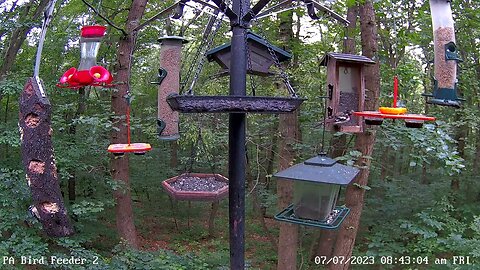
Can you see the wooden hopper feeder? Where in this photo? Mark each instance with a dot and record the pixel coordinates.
(345, 89)
(214, 187)
(260, 57)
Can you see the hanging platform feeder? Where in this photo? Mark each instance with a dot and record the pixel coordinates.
(233, 104)
(197, 187)
(260, 57)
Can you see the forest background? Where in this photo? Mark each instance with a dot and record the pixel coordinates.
(422, 194)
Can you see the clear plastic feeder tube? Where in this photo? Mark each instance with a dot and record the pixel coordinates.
(88, 52)
(444, 40)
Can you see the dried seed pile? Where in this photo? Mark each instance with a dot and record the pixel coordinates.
(348, 102)
(445, 71)
(194, 183)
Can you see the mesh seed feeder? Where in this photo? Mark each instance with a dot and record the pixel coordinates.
(170, 59)
(316, 188)
(345, 88)
(446, 55)
(88, 73)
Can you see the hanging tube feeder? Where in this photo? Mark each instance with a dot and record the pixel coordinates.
(169, 84)
(446, 55)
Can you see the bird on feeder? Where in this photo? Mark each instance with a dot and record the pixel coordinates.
(338, 119)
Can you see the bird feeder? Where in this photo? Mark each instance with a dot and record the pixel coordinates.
(446, 55)
(170, 63)
(316, 188)
(88, 73)
(345, 89)
(260, 57)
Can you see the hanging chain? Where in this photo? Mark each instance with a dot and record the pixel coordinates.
(283, 74)
(207, 41)
(194, 60)
(253, 84)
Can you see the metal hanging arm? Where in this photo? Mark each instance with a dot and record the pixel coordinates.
(47, 14)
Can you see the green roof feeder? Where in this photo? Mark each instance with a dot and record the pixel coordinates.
(317, 185)
(260, 57)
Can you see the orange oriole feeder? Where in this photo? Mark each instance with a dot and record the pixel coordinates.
(394, 112)
(129, 147)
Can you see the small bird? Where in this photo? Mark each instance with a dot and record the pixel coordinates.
(338, 119)
(34, 212)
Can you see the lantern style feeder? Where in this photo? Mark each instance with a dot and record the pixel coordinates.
(345, 89)
(316, 189)
(260, 57)
(446, 55)
(88, 73)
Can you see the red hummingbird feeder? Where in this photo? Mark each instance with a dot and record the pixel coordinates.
(88, 73)
(394, 112)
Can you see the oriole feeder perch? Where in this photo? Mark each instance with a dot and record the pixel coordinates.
(345, 89)
(261, 59)
(316, 189)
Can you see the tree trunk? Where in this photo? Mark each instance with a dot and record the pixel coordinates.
(119, 165)
(364, 141)
(39, 161)
(19, 35)
(327, 238)
(289, 133)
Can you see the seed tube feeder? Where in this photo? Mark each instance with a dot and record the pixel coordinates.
(316, 189)
(170, 59)
(446, 55)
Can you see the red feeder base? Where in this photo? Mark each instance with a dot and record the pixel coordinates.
(136, 148)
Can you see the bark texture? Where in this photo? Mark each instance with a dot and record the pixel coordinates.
(119, 165)
(364, 141)
(39, 161)
(289, 134)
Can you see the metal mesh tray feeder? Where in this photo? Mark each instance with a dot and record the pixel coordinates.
(197, 187)
(233, 104)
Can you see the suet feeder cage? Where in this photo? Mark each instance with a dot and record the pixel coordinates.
(345, 89)
(88, 73)
(260, 57)
(317, 185)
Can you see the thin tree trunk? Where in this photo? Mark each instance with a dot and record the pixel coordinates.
(326, 241)
(289, 133)
(119, 165)
(364, 141)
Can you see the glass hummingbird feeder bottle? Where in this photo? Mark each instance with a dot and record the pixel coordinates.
(88, 72)
(316, 189)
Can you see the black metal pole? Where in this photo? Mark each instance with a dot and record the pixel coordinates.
(236, 155)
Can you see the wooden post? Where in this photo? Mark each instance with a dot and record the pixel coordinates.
(39, 161)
